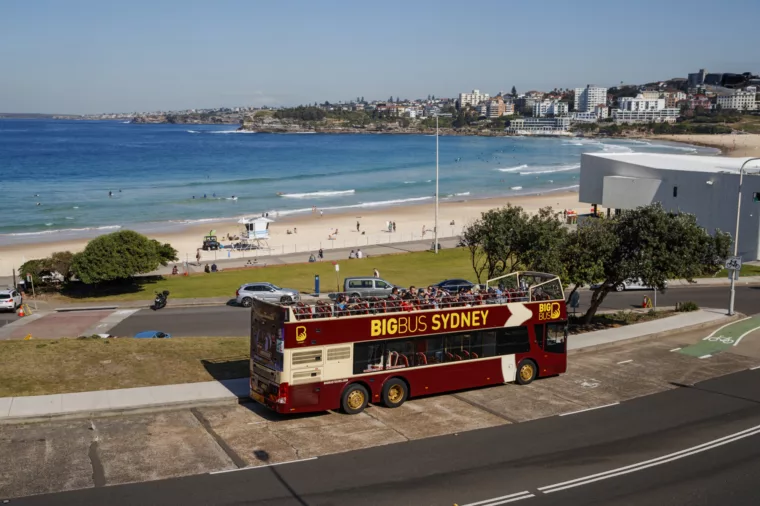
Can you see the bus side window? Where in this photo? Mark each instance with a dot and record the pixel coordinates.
(399, 353)
(512, 340)
(556, 337)
(483, 344)
(429, 350)
(368, 357)
(455, 350)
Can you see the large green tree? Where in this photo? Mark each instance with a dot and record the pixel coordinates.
(648, 243)
(120, 256)
(508, 239)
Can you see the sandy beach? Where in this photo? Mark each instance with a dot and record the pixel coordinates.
(311, 231)
(729, 144)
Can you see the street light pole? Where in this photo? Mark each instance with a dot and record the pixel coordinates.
(736, 235)
(435, 227)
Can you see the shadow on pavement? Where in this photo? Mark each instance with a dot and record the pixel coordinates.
(78, 290)
(227, 369)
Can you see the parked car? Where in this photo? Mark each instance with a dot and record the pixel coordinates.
(264, 291)
(10, 299)
(152, 334)
(456, 285)
(630, 284)
(367, 286)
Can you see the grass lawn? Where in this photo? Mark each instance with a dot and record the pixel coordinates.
(419, 268)
(747, 270)
(39, 367)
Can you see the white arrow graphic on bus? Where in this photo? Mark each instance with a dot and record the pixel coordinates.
(520, 314)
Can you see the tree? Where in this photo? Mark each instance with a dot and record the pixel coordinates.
(508, 239)
(120, 256)
(61, 262)
(514, 92)
(647, 243)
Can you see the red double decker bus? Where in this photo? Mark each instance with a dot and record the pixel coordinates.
(325, 356)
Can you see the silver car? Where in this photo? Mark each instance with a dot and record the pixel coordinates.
(367, 286)
(10, 299)
(264, 291)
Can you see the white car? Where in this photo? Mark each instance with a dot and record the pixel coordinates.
(264, 291)
(629, 284)
(10, 299)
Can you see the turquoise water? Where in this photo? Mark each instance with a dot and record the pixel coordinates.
(159, 174)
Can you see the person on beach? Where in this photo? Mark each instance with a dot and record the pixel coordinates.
(359, 254)
(375, 273)
(312, 259)
(352, 255)
(206, 269)
(423, 231)
(321, 213)
(320, 254)
(357, 226)
(198, 257)
(394, 226)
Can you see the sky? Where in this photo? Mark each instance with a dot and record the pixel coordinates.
(81, 57)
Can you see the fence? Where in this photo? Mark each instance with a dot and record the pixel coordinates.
(351, 240)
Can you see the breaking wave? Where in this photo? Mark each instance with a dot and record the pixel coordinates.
(317, 194)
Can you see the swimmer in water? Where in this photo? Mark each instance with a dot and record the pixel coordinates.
(110, 194)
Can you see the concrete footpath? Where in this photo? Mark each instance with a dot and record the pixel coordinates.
(85, 404)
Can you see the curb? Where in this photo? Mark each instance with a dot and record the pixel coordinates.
(655, 335)
(112, 412)
(90, 308)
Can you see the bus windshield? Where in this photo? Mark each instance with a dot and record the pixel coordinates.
(267, 334)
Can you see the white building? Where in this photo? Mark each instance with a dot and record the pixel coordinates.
(589, 97)
(667, 115)
(539, 126)
(472, 99)
(706, 186)
(599, 112)
(740, 101)
(482, 110)
(641, 103)
(549, 108)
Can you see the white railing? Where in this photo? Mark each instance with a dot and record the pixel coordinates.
(350, 240)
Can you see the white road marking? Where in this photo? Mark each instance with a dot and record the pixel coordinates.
(625, 362)
(585, 480)
(248, 468)
(675, 349)
(741, 336)
(508, 498)
(705, 356)
(589, 409)
(726, 325)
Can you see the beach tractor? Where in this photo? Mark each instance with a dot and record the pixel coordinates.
(210, 243)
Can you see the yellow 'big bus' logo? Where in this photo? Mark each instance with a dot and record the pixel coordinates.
(549, 311)
(301, 334)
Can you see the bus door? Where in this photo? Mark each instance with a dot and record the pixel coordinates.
(551, 339)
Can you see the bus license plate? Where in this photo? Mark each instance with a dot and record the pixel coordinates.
(257, 397)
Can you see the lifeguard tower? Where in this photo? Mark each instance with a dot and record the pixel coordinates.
(255, 234)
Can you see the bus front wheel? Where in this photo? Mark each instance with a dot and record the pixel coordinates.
(355, 399)
(395, 393)
(526, 372)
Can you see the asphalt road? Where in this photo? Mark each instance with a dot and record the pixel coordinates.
(692, 445)
(235, 321)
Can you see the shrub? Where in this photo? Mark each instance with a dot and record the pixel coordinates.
(685, 307)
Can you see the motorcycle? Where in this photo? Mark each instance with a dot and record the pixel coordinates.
(160, 300)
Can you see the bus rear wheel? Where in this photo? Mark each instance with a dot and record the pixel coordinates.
(395, 393)
(355, 399)
(526, 372)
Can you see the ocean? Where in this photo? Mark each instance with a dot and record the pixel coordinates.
(57, 175)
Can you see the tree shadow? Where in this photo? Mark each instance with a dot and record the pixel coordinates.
(79, 290)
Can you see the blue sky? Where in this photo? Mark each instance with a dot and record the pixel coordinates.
(96, 56)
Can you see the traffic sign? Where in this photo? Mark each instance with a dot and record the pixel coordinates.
(734, 263)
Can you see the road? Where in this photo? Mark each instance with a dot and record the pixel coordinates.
(234, 321)
(694, 445)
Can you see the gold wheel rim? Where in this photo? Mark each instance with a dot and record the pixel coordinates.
(526, 372)
(355, 399)
(395, 393)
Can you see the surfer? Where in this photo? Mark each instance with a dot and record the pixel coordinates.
(110, 194)
(280, 193)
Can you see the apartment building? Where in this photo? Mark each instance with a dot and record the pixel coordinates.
(589, 97)
(739, 101)
(641, 103)
(672, 98)
(549, 108)
(599, 112)
(539, 126)
(665, 115)
(472, 99)
(495, 108)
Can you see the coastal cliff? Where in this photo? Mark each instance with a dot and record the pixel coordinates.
(187, 119)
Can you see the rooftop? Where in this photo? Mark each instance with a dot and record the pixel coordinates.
(693, 163)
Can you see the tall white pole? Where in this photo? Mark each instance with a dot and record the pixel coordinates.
(736, 235)
(435, 229)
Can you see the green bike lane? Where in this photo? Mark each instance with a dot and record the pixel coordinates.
(723, 338)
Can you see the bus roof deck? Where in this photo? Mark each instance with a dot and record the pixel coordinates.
(516, 287)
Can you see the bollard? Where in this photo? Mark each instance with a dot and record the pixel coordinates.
(316, 284)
